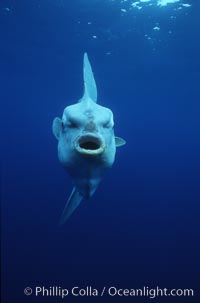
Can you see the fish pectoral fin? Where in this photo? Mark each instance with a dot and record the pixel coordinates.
(56, 127)
(72, 203)
(119, 141)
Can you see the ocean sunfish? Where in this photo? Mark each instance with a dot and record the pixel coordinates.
(86, 142)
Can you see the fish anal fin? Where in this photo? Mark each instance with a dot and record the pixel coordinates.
(72, 203)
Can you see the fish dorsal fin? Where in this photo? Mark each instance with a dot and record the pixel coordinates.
(90, 89)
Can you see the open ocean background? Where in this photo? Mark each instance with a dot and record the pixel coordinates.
(142, 226)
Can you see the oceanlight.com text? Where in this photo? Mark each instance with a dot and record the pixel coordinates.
(111, 291)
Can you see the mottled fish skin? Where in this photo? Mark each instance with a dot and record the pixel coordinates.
(86, 142)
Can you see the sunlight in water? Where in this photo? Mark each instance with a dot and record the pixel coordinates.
(153, 19)
(139, 4)
(165, 2)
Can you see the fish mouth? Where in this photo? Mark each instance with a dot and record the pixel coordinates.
(90, 145)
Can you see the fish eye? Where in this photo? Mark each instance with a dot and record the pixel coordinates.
(107, 125)
(72, 124)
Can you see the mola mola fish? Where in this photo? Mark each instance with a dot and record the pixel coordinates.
(86, 142)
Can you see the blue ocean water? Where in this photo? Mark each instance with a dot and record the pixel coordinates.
(141, 227)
